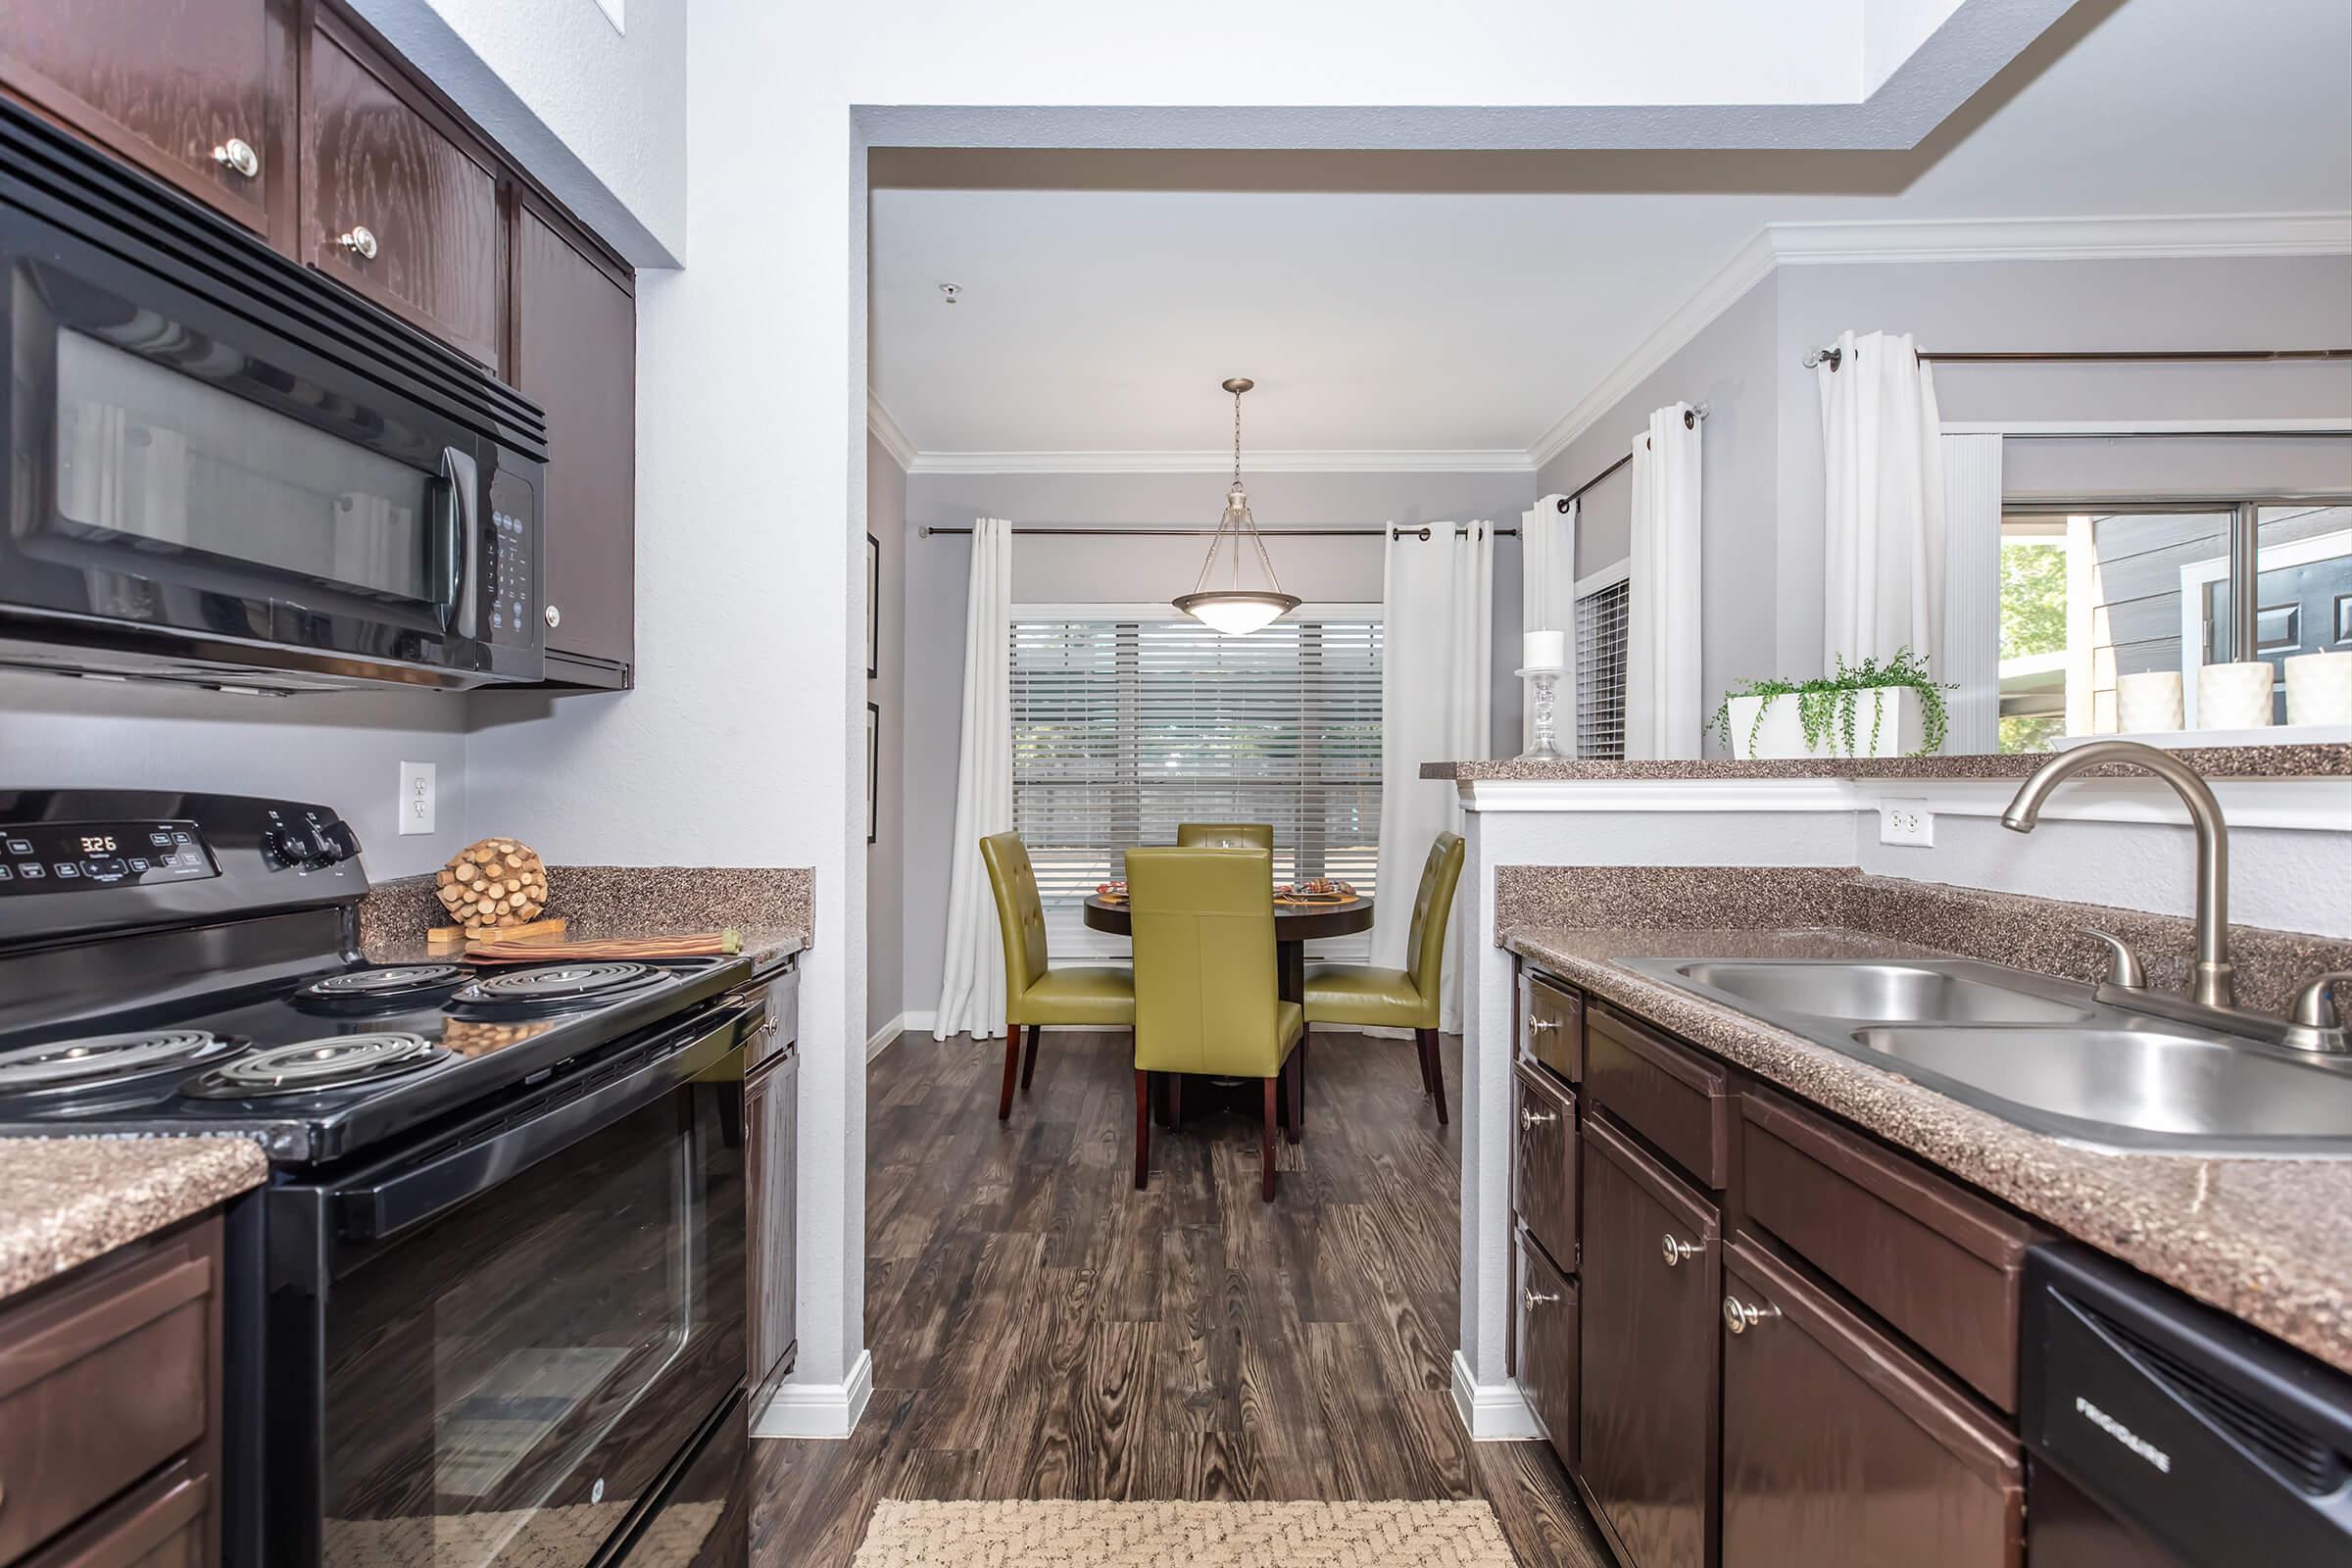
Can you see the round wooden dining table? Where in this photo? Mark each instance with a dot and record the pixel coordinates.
(1295, 926)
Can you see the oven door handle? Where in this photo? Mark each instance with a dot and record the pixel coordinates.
(416, 1194)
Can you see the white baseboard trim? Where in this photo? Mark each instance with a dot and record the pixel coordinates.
(817, 1409)
(880, 1041)
(1490, 1412)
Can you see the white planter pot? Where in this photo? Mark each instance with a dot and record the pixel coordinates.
(1893, 712)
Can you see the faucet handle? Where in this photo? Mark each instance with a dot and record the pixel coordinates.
(2315, 1020)
(2124, 968)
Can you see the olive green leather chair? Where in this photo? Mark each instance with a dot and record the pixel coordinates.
(1360, 996)
(1206, 989)
(1094, 996)
(1225, 835)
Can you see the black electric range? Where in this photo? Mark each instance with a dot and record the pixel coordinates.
(494, 1290)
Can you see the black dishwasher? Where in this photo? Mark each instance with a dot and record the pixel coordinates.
(2163, 1433)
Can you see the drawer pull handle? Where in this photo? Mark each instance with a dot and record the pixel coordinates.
(237, 155)
(1538, 1026)
(1676, 1250)
(1537, 1119)
(360, 241)
(1536, 1299)
(1740, 1317)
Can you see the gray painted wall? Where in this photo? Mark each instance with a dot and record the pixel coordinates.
(339, 749)
(886, 856)
(1133, 569)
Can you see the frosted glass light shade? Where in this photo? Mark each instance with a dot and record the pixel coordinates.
(1237, 613)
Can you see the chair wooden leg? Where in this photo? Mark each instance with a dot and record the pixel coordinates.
(1029, 1058)
(1265, 1147)
(1298, 1107)
(1433, 1067)
(1293, 1088)
(1012, 1062)
(1175, 1101)
(1421, 1056)
(1142, 1130)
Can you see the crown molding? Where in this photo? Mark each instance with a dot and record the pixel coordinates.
(1963, 239)
(2063, 239)
(1747, 267)
(886, 430)
(1360, 461)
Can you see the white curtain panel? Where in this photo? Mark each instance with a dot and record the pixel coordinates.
(972, 991)
(1436, 678)
(1665, 714)
(1547, 603)
(1883, 546)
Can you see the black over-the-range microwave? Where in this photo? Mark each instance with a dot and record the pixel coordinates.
(224, 468)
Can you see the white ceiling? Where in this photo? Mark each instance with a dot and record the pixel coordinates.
(1101, 320)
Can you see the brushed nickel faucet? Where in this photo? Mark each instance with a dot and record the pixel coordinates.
(2315, 1020)
(2211, 981)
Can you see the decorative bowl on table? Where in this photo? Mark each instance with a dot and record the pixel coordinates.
(1318, 890)
(1111, 891)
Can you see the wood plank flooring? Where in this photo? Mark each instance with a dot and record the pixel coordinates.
(1040, 1329)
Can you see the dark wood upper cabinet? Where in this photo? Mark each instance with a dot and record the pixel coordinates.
(575, 348)
(1842, 1450)
(1648, 1298)
(399, 201)
(193, 91)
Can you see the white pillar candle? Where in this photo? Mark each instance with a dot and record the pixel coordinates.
(2235, 696)
(2319, 688)
(1544, 650)
(2148, 702)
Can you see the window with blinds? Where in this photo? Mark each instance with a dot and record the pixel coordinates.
(1600, 617)
(1123, 728)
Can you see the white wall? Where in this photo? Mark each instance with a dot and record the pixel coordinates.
(1138, 569)
(598, 115)
(886, 856)
(337, 749)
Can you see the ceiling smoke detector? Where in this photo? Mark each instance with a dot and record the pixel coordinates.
(949, 291)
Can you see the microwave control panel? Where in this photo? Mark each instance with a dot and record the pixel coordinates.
(511, 564)
(69, 856)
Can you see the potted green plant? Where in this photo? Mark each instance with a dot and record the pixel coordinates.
(1888, 707)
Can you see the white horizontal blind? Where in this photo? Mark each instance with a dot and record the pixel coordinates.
(1123, 728)
(1601, 627)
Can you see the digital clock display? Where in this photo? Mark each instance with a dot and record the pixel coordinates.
(97, 844)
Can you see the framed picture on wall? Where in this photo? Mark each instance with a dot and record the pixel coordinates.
(873, 607)
(874, 770)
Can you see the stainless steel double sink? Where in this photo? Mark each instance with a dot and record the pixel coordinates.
(2044, 1053)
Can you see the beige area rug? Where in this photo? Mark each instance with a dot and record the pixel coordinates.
(1183, 1534)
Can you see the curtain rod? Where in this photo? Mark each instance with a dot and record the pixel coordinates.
(1392, 530)
(1690, 418)
(1830, 355)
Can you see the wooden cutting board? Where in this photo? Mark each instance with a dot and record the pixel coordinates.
(692, 945)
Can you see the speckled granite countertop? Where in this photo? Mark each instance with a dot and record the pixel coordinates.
(2214, 761)
(767, 905)
(65, 1200)
(2269, 1240)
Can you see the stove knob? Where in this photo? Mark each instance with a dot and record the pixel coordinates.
(283, 846)
(338, 842)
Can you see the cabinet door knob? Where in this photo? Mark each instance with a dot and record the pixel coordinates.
(1676, 1250)
(1538, 1026)
(237, 155)
(360, 241)
(1537, 1119)
(1738, 1316)
(555, 617)
(1535, 1298)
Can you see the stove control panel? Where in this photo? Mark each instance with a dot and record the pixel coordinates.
(307, 838)
(72, 856)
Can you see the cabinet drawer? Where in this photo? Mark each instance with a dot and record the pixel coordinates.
(1551, 1027)
(103, 1381)
(1548, 1346)
(168, 1523)
(1842, 1450)
(1938, 1262)
(1543, 1160)
(1669, 1093)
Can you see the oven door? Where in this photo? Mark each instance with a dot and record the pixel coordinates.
(193, 491)
(525, 1330)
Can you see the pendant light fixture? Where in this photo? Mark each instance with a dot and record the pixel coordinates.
(1236, 610)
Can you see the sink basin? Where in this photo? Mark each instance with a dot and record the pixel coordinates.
(2148, 1080)
(1890, 992)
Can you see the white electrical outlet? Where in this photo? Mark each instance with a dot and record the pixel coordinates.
(416, 790)
(1906, 822)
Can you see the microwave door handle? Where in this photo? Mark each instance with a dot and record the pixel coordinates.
(410, 1198)
(460, 523)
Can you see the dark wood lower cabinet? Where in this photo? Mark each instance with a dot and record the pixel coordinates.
(1842, 1450)
(1547, 1345)
(1650, 1291)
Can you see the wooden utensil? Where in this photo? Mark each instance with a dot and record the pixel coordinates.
(693, 945)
